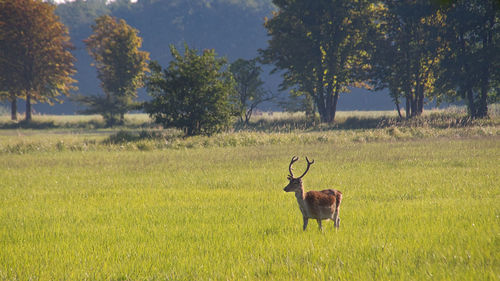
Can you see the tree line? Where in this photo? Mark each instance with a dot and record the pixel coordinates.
(418, 50)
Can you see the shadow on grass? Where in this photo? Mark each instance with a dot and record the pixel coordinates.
(438, 120)
(124, 136)
(85, 125)
(27, 125)
(433, 120)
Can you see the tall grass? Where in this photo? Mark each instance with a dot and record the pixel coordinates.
(273, 121)
(34, 141)
(87, 122)
(419, 210)
(87, 133)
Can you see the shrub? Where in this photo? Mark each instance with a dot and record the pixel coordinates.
(192, 94)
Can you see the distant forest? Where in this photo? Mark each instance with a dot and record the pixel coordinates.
(233, 28)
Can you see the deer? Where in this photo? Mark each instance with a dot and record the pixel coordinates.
(318, 205)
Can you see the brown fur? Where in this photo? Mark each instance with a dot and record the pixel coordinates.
(322, 200)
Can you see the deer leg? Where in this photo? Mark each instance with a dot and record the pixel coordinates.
(306, 220)
(319, 224)
(336, 219)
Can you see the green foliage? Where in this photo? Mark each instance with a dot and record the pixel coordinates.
(469, 69)
(445, 52)
(35, 59)
(300, 102)
(79, 13)
(88, 133)
(121, 67)
(197, 22)
(110, 107)
(127, 136)
(414, 210)
(408, 51)
(249, 88)
(321, 47)
(192, 93)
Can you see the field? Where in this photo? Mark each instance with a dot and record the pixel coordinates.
(419, 203)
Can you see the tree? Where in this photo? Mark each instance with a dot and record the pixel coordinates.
(9, 95)
(121, 67)
(319, 45)
(471, 63)
(35, 58)
(249, 91)
(407, 55)
(192, 93)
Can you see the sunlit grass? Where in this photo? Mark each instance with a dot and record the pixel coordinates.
(268, 121)
(32, 141)
(412, 210)
(87, 133)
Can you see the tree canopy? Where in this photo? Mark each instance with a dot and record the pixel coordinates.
(320, 47)
(422, 51)
(35, 59)
(192, 93)
(249, 88)
(418, 50)
(470, 67)
(407, 55)
(121, 67)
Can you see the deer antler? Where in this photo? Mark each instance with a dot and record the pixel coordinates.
(294, 159)
(309, 163)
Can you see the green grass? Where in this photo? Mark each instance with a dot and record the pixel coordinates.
(34, 141)
(269, 122)
(413, 209)
(87, 133)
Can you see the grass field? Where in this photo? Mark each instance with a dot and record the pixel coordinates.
(419, 203)
(412, 210)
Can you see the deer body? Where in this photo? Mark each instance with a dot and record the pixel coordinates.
(319, 205)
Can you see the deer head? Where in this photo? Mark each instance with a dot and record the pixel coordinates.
(295, 184)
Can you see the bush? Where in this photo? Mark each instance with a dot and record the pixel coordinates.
(192, 94)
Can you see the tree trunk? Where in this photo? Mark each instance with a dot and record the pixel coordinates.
(334, 105)
(470, 103)
(332, 95)
(420, 101)
(13, 107)
(320, 102)
(482, 108)
(248, 114)
(329, 108)
(413, 104)
(419, 98)
(28, 107)
(327, 104)
(408, 107)
(399, 109)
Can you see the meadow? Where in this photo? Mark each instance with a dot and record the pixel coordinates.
(419, 203)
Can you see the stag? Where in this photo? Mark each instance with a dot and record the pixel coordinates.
(318, 205)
